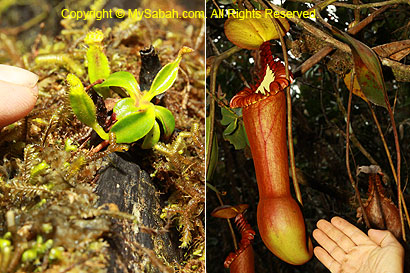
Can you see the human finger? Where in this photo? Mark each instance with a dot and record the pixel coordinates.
(18, 93)
(329, 245)
(383, 237)
(356, 235)
(336, 235)
(326, 259)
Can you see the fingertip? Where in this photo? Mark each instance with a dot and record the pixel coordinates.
(18, 93)
(319, 251)
(17, 75)
(321, 222)
(382, 237)
(317, 248)
(336, 219)
(340, 223)
(316, 233)
(16, 101)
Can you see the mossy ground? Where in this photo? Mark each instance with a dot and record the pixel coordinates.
(55, 201)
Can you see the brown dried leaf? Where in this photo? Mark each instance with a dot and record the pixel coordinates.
(395, 50)
(381, 211)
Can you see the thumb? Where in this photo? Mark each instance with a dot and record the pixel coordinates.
(18, 93)
(382, 237)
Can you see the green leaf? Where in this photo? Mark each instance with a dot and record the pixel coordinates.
(152, 137)
(83, 106)
(214, 152)
(166, 76)
(235, 131)
(125, 80)
(229, 116)
(134, 126)
(367, 67)
(237, 137)
(98, 67)
(124, 107)
(231, 127)
(166, 119)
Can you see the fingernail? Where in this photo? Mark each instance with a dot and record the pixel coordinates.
(19, 76)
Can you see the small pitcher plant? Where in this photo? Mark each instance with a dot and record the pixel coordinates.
(136, 116)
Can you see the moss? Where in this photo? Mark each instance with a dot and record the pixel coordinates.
(47, 174)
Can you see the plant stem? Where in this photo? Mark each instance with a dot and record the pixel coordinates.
(235, 243)
(100, 131)
(390, 161)
(398, 162)
(289, 112)
(212, 86)
(349, 106)
(222, 104)
(353, 137)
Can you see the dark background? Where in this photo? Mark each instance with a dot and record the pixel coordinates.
(318, 142)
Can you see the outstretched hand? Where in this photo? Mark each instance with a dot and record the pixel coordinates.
(345, 248)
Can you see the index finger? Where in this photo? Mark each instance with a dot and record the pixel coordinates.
(355, 234)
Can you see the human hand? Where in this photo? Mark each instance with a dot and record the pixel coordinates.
(18, 93)
(345, 248)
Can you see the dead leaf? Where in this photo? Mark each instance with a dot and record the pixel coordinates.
(395, 50)
(381, 211)
(367, 67)
(356, 87)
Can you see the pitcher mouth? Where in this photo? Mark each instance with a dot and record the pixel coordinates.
(271, 80)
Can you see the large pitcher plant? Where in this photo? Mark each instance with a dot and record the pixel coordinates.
(280, 220)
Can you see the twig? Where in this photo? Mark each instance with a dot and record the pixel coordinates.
(336, 43)
(356, 12)
(353, 137)
(326, 50)
(314, 30)
(398, 161)
(214, 70)
(212, 86)
(222, 104)
(314, 59)
(216, 5)
(321, 6)
(383, 140)
(157, 262)
(94, 84)
(400, 68)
